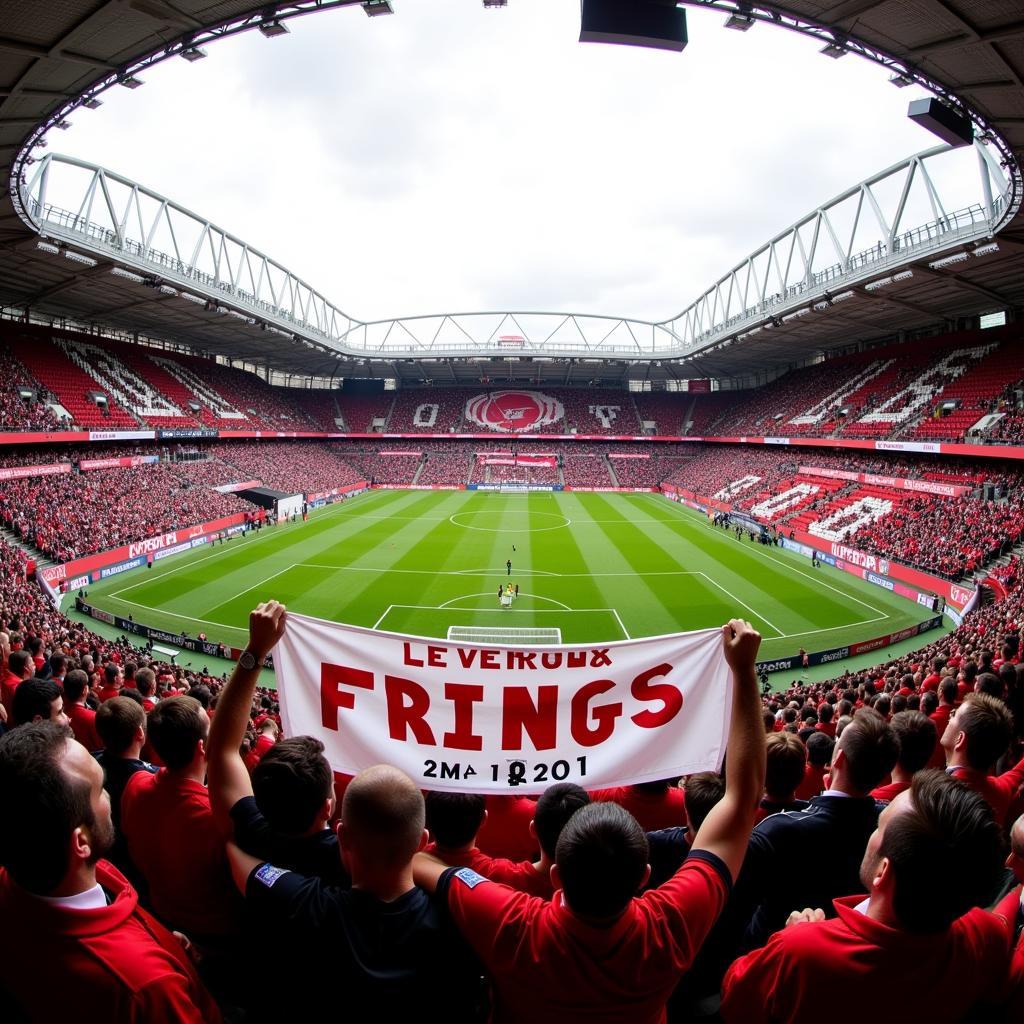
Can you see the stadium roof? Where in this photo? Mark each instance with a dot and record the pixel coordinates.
(53, 54)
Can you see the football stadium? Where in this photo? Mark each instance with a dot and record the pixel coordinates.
(512, 510)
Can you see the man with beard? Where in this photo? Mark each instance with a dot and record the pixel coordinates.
(62, 904)
(916, 948)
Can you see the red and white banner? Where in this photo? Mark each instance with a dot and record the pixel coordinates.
(50, 469)
(629, 455)
(338, 492)
(125, 461)
(897, 482)
(239, 485)
(549, 461)
(499, 719)
(395, 451)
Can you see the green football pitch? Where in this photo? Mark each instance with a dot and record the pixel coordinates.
(597, 567)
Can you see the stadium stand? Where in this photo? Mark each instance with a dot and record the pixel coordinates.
(72, 515)
(70, 384)
(447, 464)
(18, 412)
(362, 414)
(666, 410)
(585, 469)
(292, 466)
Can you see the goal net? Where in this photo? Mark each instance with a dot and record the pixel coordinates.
(526, 636)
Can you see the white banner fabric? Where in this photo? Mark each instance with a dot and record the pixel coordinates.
(499, 719)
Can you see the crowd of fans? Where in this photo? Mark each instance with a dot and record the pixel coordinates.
(950, 536)
(579, 470)
(215, 848)
(747, 916)
(447, 465)
(17, 413)
(292, 466)
(73, 515)
(158, 388)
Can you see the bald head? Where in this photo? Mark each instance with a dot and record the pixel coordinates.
(383, 816)
(1015, 861)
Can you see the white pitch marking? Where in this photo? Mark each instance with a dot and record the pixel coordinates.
(625, 632)
(384, 616)
(756, 614)
(265, 534)
(176, 615)
(501, 570)
(820, 582)
(536, 597)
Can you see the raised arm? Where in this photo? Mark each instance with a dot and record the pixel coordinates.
(227, 776)
(726, 830)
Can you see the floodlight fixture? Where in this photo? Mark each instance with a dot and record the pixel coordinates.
(950, 261)
(193, 53)
(272, 27)
(48, 247)
(127, 275)
(64, 124)
(741, 19)
(495, 3)
(92, 103)
(834, 50)
(901, 80)
(77, 257)
(130, 82)
(375, 8)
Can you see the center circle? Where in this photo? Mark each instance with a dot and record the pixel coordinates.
(566, 521)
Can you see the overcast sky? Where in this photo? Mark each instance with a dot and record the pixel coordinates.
(455, 159)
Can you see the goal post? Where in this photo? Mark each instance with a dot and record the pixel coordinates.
(526, 636)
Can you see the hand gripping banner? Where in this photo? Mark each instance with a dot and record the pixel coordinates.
(499, 719)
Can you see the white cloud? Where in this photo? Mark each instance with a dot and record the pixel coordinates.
(453, 158)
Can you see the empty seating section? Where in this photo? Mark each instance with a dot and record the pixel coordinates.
(358, 412)
(667, 410)
(146, 387)
(320, 406)
(893, 401)
(707, 410)
(973, 392)
(70, 384)
(264, 406)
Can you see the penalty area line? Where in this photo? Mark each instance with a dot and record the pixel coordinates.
(756, 614)
(682, 518)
